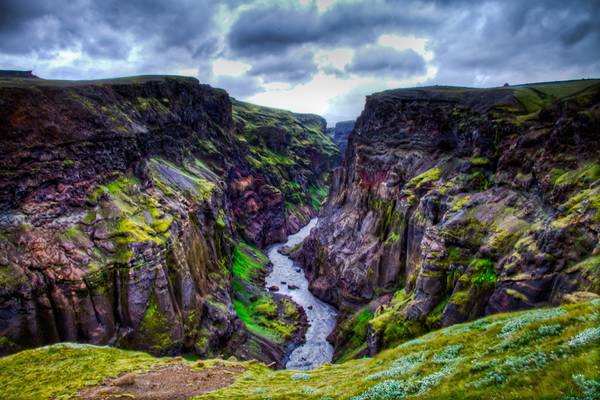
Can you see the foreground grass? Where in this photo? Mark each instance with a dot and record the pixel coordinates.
(546, 353)
(61, 370)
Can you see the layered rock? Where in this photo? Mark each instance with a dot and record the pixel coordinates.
(454, 203)
(119, 210)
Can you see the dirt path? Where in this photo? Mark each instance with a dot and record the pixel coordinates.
(171, 382)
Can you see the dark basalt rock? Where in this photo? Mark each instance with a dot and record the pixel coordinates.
(463, 202)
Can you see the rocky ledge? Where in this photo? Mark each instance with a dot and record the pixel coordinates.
(453, 203)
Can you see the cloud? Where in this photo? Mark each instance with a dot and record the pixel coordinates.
(105, 29)
(240, 87)
(319, 56)
(293, 67)
(381, 60)
(275, 29)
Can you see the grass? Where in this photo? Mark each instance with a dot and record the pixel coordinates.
(254, 307)
(61, 370)
(463, 361)
(247, 261)
(543, 353)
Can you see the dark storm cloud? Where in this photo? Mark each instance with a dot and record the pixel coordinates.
(519, 41)
(274, 29)
(387, 61)
(106, 29)
(293, 67)
(470, 39)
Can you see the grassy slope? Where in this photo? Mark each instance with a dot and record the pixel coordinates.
(544, 353)
(60, 370)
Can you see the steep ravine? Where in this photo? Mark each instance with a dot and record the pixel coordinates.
(287, 278)
(122, 204)
(454, 203)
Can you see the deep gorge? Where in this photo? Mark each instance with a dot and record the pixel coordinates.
(143, 213)
(126, 202)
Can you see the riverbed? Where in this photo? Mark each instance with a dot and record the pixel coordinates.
(321, 316)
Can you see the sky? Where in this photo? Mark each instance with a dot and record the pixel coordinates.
(316, 56)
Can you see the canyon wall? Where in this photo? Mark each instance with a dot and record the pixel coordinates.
(121, 202)
(340, 133)
(453, 203)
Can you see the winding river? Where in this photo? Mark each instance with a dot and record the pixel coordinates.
(321, 316)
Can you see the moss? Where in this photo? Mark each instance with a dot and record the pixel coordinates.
(247, 262)
(393, 237)
(155, 329)
(459, 202)
(479, 181)
(68, 162)
(468, 232)
(89, 217)
(260, 323)
(316, 196)
(479, 161)
(257, 309)
(581, 177)
(482, 272)
(578, 206)
(266, 306)
(517, 295)
(354, 333)
(74, 233)
(431, 175)
(11, 277)
(194, 180)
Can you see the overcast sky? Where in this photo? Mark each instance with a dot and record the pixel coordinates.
(318, 56)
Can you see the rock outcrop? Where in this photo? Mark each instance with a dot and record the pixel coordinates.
(121, 202)
(453, 203)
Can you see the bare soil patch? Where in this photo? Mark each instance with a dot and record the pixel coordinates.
(173, 382)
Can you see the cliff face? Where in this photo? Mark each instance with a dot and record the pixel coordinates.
(454, 203)
(119, 211)
(340, 133)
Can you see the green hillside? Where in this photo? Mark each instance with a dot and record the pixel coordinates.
(545, 353)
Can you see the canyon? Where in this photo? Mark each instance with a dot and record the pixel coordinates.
(125, 202)
(443, 242)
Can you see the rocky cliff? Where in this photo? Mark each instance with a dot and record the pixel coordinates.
(453, 203)
(121, 203)
(340, 133)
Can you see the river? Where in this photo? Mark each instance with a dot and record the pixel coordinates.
(321, 316)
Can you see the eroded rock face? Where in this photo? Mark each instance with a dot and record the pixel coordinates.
(119, 207)
(461, 203)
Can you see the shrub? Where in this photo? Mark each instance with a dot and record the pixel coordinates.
(585, 337)
(300, 376)
(401, 366)
(448, 355)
